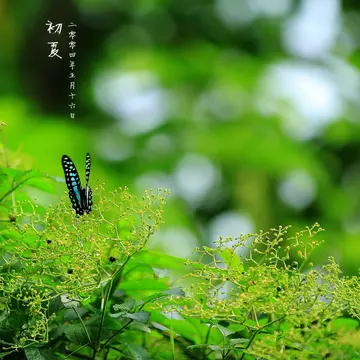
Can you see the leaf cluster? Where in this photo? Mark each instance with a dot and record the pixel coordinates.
(269, 302)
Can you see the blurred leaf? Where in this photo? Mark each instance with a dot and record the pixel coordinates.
(141, 316)
(140, 327)
(34, 353)
(4, 315)
(3, 178)
(191, 328)
(42, 184)
(56, 331)
(231, 259)
(10, 234)
(171, 292)
(76, 333)
(137, 352)
(70, 314)
(238, 341)
(224, 331)
(143, 284)
(67, 302)
(205, 346)
(236, 327)
(13, 173)
(126, 306)
(22, 175)
(159, 260)
(344, 324)
(3, 354)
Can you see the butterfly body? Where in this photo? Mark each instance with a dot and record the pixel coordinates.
(81, 198)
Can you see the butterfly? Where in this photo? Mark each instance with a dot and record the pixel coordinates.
(81, 199)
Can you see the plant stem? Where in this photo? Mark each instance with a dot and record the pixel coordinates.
(82, 323)
(117, 333)
(103, 306)
(257, 331)
(15, 187)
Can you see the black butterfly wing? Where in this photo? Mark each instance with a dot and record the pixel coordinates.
(87, 193)
(87, 169)
(86, 199)
(73, 184)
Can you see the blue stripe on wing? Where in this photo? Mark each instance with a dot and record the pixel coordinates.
(73, 184)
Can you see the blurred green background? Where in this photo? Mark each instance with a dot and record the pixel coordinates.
(248, 110)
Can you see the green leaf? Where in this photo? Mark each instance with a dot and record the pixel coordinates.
(118, 314)
(56, 331)
(41, 184)
(143, 285)
(141, 316)
(137, 352)
(3, 178)
(241, 341)
(205, 346)
(191, 329)
(3, 354)
(232, 260)
(13, 173)
(140, 327)
(174, 292)
(223, 330)
(49, 355)
(21, 175)
(19, 178)
(236, 327)
(4, 315)
(126, 306)
(76, 334)
(171, 292)
(344, 324)
(251, 323)
(69, 303)
(159, 260)
(33, 353)
(57, 179)
(70, 315)
(10, 234)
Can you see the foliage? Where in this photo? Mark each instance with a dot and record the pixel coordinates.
(259, 298)
(58, 273)
(234, 87)
(88, 287)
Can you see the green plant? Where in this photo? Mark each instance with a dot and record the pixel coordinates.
(63, 278)
(256, 293)
(89, 288)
